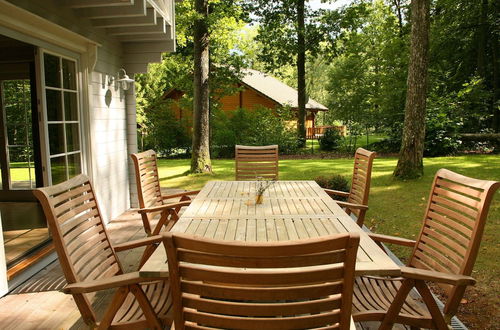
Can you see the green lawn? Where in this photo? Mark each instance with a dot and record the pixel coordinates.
(396, 207)
(360, 142)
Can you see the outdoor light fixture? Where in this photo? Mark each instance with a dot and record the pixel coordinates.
(123, 81)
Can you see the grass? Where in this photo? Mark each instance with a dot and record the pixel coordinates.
(396, 207)
(360, 142)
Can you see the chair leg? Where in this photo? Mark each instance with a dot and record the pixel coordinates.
(114, 306)
(396, 305)
(437, 316)
(146, 307)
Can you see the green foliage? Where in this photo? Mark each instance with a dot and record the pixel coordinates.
(261, 126)
(367, 78)
(277, 31)
(334, 182)
(176, 70)
(165, 133)
(330, 140)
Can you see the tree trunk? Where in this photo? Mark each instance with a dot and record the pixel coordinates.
(397, 4)
(200, 159)
(301, 73)
(496, 88)
(410, 164)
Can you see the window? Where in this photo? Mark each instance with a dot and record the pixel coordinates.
(63, 122)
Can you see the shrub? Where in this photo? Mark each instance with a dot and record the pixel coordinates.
(335, 182)
(441, 134)
(164, 132)
(261, 126)
(331, 140)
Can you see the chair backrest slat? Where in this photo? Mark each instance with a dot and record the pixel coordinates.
(256, 162)
(361, 179)
(236, 284)
(147, 179)
(453, 226)
(79, 236)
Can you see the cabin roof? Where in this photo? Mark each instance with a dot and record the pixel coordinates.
(276, 90)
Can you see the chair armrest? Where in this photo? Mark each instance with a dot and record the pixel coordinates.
(352, 205)
(163, 207)
(336, 192)
(430, 275)
(185, 193)
(137, 243)
(392, 239)
(109, 283)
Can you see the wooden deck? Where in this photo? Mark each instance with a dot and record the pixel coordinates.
(56, 310)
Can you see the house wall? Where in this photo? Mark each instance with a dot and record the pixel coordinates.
(248, 99)
(108, 113)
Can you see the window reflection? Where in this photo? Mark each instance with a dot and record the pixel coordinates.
(52, 70)
(58, 169)
(56, 139)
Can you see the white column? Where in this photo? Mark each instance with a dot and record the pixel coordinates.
(131, 142)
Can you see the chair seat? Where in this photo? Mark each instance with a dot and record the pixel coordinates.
(158, 294)
(373, 296)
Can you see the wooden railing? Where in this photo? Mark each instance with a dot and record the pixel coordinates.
(318, 131)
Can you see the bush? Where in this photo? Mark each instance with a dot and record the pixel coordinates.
(441, 134)
(335, 182)
(331, 140)
(164, 132)
(261, 126)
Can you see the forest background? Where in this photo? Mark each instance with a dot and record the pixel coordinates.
(356, 64)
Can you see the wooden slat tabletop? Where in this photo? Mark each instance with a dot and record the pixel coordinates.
(291, 210)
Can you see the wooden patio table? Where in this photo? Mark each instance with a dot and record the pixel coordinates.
(291, 210)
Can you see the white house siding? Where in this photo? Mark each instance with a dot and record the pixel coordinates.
(106, 137)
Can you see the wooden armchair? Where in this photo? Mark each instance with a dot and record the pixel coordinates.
(357, 197)
(90, 263)
(151, 202)
(444, 253)
(253, 162)
(279, 285)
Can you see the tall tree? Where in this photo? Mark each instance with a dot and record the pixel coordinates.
(301, 72)
(288, 31)
(200, 159)
(410, 163)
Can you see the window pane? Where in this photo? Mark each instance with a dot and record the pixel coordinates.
(54, 106)
(56, 139)
(72, 137)
(58, 169)
(74, 165)
(52, 70)
(21, 167)
(70, 106)
(69, 74)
